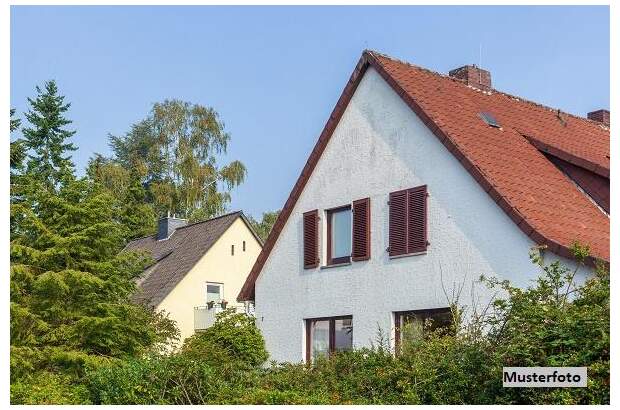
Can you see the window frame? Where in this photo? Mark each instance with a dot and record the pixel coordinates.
(328, 215)
(219, 284)
(331, 333)
(425, 313)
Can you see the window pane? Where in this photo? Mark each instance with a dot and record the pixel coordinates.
(440, 320)
(343, 329)
(213, 293)
(341, 233)
(319, 338)
(413, 325)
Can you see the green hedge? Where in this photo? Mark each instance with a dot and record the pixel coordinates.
(553, 323)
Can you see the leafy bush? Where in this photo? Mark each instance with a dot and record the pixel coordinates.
(233, 337)
(48, 388)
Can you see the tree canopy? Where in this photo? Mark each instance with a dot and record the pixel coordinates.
(265, 225)
(175, 154)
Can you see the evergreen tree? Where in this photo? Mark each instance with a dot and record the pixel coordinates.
(18, 153)
(71, 286)
(47, 138)
(134, 213)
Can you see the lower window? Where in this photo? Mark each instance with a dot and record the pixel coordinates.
(411, 325)
(328, 335)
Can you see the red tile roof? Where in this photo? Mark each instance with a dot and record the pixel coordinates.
(507, 162)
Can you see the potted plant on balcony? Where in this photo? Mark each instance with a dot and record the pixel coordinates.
(223, 303)
(210, 304)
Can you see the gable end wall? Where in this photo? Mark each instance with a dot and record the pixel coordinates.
(381, 146)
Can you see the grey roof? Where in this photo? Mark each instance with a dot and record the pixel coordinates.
(176, 256)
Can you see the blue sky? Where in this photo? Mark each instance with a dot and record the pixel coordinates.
(275, 73)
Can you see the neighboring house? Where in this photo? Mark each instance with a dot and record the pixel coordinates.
(419, 184)
(195, 264)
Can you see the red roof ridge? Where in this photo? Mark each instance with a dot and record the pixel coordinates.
(375, 53)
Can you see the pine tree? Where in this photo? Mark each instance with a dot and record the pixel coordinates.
(134, 212)
(47, 138)
(71, 287)
(70, 284)
(17, 147)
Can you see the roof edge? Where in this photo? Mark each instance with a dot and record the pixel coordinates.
(568, 157)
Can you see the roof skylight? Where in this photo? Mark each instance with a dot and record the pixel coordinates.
(489, 119)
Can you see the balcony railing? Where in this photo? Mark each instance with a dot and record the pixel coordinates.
(204, 317)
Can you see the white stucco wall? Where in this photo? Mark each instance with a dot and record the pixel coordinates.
(217, 265)
(381, 146)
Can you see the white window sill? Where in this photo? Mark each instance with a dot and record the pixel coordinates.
(335, 265)
(409, 254)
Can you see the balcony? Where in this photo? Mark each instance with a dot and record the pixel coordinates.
(204, 317)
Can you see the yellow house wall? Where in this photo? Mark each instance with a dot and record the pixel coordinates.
(217, 265)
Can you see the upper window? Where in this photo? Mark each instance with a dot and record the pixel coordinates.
(339, 235)
(412, 325)
(214, 292)
(328, 335)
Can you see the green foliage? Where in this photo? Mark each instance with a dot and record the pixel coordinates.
(263, 227)
(48, 388)
(70, 286)
(556, 323)
(18, 149)
(214, 366)
(136, 216)
(174, 154)
(46, 138)
(233, 337)
(548, 324)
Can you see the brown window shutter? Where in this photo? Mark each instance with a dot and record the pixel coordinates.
(398, 223)
(416, 219)
(311, 239)
(361, 230)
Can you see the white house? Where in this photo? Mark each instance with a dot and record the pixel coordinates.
(419, 184)
(196, 267)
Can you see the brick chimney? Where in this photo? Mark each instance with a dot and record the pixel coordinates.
(601, 116)
(473, 75)
(167, 225)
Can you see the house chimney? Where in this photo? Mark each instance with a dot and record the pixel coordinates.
(601, 116)
(473, 75)
(167, 225)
